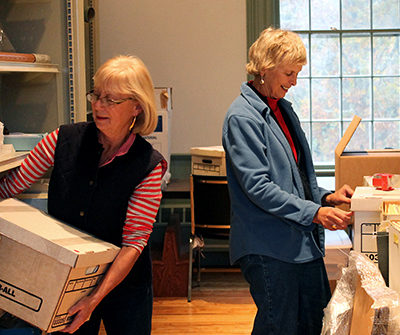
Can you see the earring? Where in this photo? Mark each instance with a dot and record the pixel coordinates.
(132, 124)
(262, 81)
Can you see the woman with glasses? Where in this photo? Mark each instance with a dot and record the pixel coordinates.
(106, 180)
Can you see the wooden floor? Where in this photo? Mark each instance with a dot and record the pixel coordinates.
(220, 305)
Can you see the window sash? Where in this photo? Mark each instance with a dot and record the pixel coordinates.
(257, 20)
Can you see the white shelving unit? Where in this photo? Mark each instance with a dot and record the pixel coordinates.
(39, 97)
(9, 67)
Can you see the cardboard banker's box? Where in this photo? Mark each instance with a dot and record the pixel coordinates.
(352, 166)
(46, 266)
(208, 161)
(366, 203)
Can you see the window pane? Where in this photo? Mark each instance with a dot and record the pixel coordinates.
(325, 136)
(386, 98)
(356, 98)
(306, 128)
(356, 14)
(352, 47)
(361, 137)
(305, 72)
(386, 14)
(325, 99)
(324, 55)
(325, 14)
(300, 98)
(294, 14)
(351, 70)
(386, 54)
(387, 135)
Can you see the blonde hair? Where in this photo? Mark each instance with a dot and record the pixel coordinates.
(129, 75)
(273, 48)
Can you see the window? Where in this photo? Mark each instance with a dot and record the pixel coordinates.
(353, 68)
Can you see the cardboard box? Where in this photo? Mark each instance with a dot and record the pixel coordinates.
(351, 167)
(361, 303)
(366, 204)
(337, 250)
(394, 256)
(208, 161)
(369, 315)
(160, 137)
(163, 97)
(46, 266)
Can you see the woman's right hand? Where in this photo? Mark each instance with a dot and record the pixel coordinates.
(333, 218)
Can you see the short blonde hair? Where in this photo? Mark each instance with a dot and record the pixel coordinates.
(273, 48)
(129, 75)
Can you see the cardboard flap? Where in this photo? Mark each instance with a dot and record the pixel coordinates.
(347, 135)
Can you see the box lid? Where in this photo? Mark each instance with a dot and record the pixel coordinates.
(366, 198)
(212, 151)
(39, 231)
(348, 134)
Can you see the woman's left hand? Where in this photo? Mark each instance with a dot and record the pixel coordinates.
(332, 218)
(119, 269)
(82, 311)
(341, 196)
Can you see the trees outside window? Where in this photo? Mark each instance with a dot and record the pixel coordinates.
(353, 69)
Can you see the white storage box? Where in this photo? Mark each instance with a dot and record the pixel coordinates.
(337, 250)
(160, 137)
(46, 266)
(208, 161)
(352, 166)
(163, 96)
(366, 204)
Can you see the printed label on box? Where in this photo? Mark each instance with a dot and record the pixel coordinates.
(62, 319)
(20, 296)
(83, 283)
(74, 286)
(368, 240)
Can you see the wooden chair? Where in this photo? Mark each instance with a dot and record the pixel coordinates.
(170, 270)
(210, 218)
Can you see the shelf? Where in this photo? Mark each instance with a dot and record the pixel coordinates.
(8, 67)
(11, 160)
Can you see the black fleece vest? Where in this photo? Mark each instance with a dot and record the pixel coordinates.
(96, 199)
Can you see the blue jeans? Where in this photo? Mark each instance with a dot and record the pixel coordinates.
(290, 297)
(124, 311)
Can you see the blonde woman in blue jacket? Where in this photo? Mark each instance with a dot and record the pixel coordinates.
(278, 211)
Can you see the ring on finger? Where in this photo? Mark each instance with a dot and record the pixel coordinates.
(334, 226)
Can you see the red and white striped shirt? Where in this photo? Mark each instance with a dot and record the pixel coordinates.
(142, 206)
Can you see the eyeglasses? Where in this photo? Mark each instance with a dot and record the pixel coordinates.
(105, 101)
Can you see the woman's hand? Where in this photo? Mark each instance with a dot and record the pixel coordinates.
(341, 196)
(118, 270)
(82, 311)
(332, 218)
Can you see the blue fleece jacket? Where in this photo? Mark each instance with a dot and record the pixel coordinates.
(269, 213)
